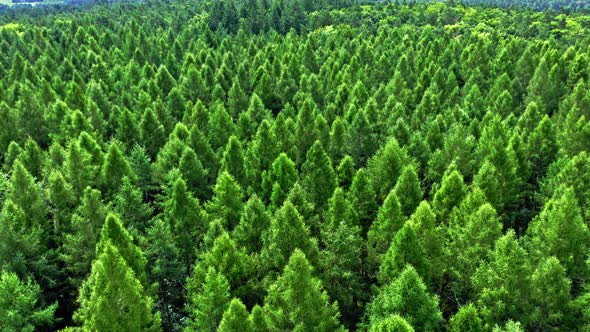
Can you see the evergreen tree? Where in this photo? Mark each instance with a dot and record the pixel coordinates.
(79, 247)
(503, 284)
(551, 294)
(560, 231)
(278, 180)
(318, 176)
(451, 193)
(113, 298)
(115, 167)
(296, 300)
(382, 231)
(404, 250)
(254, 221)
(408, 190)
(286, 233)
(408, 297)
(362, 198)
(233, 161)
(394, 323)
(20, 307)
(226, 203)
(208, 302)
(236, 318)
(385, 167)
(114, 233)
(466, 319)
(188, 220)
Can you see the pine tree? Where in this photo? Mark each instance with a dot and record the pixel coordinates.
(551, 294)
(20, 307)
(466, 319)
(128, 203)
(254, 221)
(278, 180)
(22, 249)
(393, 323)
(408, 297)
(404, 250)
(305, 132)
(230, 261)
(114, 233)
(382, 231)
(152, 134)
(560, 231)
(236, 318)
(470, 245)
(286, 233)
(78, 169)
(167, 271)
(408, 190)
(233, 161)
(296, 300)
(318, 176)
(113, 298)
(451, 193)
(431, 239)
(340, 211)
(503, 284)
(25, 193)
(339, 141)
(226, 203)
(385, 167)
(188, 220)
(194, 173)
(341, 264)
(79, 247)
(363, 200)
(115, 167)
(208, 302)
(363, 139)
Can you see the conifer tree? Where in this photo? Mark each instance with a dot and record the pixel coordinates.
(167, 271)
(115, 167)
(233, 161)
(20, 305)
(286, 233)
(363, 200)
(393, 323)
(226, 203)
(408, 297)
(503, 284)
(404, 250)
(466, 319)
(551, 294)
(236, 318)
(25, 193)
(188, 221)
(114, 233)
(113, 298)
(297, 301)
(254, 221)
(208, 302)
(318, 176)
(560, 231)
(79, 247)
(278, 180)
(385, 167)
(382, 231)
(408, 190)
(451, 193)
(194, 173)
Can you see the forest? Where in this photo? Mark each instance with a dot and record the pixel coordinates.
(294, 165)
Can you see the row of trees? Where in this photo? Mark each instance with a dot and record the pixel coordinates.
(406, 168)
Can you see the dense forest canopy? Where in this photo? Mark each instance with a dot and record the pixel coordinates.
(294, 165)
